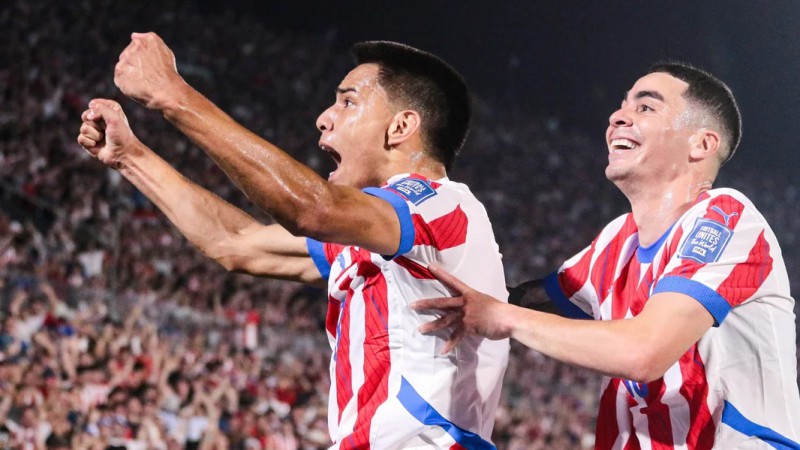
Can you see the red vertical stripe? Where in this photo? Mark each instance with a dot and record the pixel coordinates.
(574, 277)
(603, 270)
(642, 290)
(695, 390)
(344, 375)
(659, 424)
(344, 387)
(607, 426)
(377, 358)
(332, 318)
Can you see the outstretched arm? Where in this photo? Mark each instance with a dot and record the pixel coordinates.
(221, 231)
(640, 349)
(293, 194)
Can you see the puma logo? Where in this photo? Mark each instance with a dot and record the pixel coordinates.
(727, 217)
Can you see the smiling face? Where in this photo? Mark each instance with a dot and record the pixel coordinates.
(649, 136)
(354, 129)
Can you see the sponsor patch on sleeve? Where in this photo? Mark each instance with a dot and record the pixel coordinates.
(706, 242)
(414, 190)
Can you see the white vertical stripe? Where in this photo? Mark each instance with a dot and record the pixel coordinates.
(640, 424)
(621, 410)
(679, 414)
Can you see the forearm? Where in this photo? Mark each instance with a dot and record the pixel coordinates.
(207, 221)
(289, 191)
(618, 348)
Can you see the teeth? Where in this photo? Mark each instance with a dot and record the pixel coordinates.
(622, 144)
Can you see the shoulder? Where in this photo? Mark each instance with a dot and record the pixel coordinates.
(417, 189)
(723, 194)
(431, 197)
(724, 205)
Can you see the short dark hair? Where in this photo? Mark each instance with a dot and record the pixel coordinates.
(711, 94)
(425, 83)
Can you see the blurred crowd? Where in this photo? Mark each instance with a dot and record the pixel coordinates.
(116, 334)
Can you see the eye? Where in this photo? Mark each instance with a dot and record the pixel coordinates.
(645, 108)
(347, 103)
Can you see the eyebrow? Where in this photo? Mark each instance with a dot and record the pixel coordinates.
(340, 90)
(642, 94)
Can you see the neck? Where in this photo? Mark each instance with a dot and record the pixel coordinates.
(417, 162)
(655, 209)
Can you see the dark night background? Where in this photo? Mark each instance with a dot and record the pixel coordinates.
(576, 59)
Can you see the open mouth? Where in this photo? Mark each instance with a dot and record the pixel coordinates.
(622, 145)
(337, 158)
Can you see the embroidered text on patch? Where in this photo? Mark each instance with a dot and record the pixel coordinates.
(415, 191)
(706, 242)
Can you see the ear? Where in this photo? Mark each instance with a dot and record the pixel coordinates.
(704, 144)
(404, 125)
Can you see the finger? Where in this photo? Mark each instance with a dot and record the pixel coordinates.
(130, 48)
(90, 130)
(86, 143)
(90, 117)
(448, 279)
(446, 321)
(437, 303)
(455, 338)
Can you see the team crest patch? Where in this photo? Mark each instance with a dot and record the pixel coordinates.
(415, 191)
(706, 242)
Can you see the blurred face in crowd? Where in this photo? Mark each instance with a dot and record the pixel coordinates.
(354, 129)
(9, 326)
(28, 418)
(648, 137)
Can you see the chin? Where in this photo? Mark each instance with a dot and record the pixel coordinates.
(618, 176)
(612, 173)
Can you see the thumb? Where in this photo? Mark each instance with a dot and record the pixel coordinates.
(448, 279)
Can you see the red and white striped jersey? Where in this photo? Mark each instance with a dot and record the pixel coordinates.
(391, 386)
(737, 386)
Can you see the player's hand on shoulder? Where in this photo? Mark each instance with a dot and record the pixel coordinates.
(469, 312)
(105, 133)
(147, 73)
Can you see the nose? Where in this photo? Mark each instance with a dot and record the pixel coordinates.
(620, 118)
(325, 121)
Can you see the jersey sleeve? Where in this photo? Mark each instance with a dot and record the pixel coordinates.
(565, 286)
(723, 255)
(323, 254)
(583, 280)
(433, 225)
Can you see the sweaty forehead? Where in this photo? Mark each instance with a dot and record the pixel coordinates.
(362, 79)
